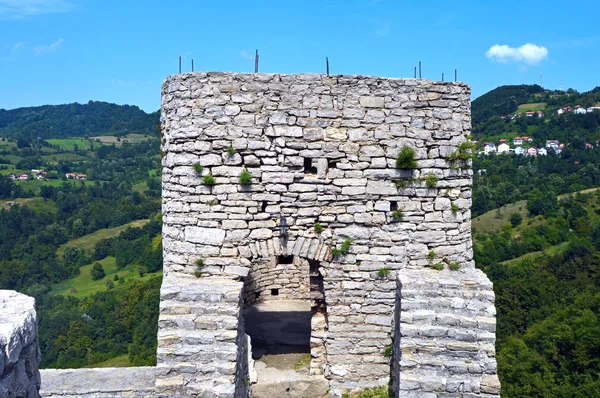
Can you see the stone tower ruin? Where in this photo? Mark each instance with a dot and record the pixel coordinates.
(279, 187)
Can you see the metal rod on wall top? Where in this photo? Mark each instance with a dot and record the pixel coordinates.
(256, 62)
(179, 64)
(455, 75)
(442, 76)
(419, 69)
(327, 64)
(192, 65)
(415, 76)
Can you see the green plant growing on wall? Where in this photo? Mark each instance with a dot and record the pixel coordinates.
(245, 177)
(200, 264)
(437, 266)
(431, 255)
(389, 351)
(406, 158)
(318, 228)
(383, 272)
(431, 180)
(454, 266)
(464, 152)
(454, 207)
(398, 214)
(208, 179)
(198, 168)
(231, 150)
(344, 248)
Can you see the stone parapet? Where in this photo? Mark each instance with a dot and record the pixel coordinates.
(445, 336)
(99, 382)
(19, 350)
(200, 338)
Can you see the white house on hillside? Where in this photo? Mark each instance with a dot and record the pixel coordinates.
(519, 150)
(503, 148)
(542, 152)
(518, 141)
(489, 147)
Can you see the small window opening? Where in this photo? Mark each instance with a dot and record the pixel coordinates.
(274, 292)
(308, 167)
(393, 206)
(257, 295)
(332, 164)
(285, 260)
(263, 207)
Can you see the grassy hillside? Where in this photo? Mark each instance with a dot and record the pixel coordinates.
(87, 242)
(84, 285)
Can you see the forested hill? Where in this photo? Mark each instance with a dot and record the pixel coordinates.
(77, 120)
(501, 101)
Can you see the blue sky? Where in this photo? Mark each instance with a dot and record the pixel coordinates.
(61, 51)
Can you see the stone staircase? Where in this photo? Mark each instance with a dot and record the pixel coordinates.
(445, 334)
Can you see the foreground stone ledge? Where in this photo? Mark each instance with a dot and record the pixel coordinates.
(19, 351)
(99, 382)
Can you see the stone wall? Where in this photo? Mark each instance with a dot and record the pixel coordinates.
(98, 383)
(446, 335)
(319, 150)
(19, 351)
(272, 280)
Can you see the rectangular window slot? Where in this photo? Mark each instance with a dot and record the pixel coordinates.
(393, 205)
(263, 207)
(308, 167)
(274, 292)
(285, 260)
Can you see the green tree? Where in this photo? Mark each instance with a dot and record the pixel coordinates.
(516, 219)
(97, 271)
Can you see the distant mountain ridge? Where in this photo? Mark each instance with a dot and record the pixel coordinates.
(77, 120)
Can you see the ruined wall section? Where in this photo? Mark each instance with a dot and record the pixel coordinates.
(321, 150)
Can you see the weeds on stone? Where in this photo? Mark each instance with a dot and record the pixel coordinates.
(431, 255)
(437, 266)
(454, 207)
(208, 179)
(406, 158)
(389, 351)
(398, 215)
(198, 168)
(344, 248)
(303, 362)
(200, 264)
(454, 266)
(245, 177)
(375, 392)
(383, 272)
(231, 150)
(431, 180)
(318, 228)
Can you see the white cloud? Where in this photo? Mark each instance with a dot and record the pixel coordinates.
(530, 54)
(25, 8)
(48, 48)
